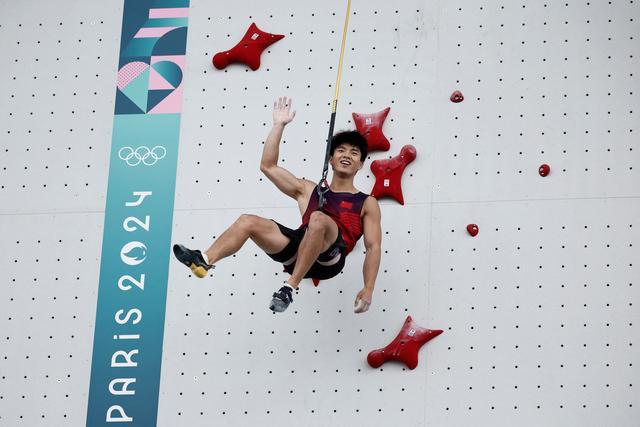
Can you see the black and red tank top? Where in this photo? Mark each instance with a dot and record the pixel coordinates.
(344, 208)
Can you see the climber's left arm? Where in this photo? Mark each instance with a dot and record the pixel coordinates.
(372, 241)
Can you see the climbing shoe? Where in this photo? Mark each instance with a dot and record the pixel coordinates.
(192, 259)
(281, 299)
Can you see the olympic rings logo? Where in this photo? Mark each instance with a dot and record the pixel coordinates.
(142, 154)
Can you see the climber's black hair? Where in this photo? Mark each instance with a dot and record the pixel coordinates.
(352, 137)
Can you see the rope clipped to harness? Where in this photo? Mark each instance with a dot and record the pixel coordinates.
(323, 185)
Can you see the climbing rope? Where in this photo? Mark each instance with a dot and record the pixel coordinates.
(334, 106)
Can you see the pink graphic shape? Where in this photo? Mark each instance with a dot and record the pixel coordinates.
(169, 12)
(152, 32)
(129, 72)
(156, 81)
(173, 102)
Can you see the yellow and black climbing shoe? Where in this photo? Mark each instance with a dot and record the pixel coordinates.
(192, 259)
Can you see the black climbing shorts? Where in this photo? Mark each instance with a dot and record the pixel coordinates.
(329, 263)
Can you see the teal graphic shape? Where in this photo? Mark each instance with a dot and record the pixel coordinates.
(154, 213)
(169, 71)
(166, 22)
(134, 265)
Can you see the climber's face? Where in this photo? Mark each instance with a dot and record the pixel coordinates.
(346, 159)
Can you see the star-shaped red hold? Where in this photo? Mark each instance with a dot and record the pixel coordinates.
(405, 346)
(248, 50)
(370, 126)
(388, 174)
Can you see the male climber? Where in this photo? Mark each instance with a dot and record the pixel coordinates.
(318, 248)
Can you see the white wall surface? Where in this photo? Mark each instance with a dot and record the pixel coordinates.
(540, 310)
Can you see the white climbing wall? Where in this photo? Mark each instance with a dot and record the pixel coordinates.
(539, 310)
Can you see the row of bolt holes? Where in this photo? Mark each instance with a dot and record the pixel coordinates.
(291, 412)
(402, 409)
(375, 12)
(358, 410)
(538, 407)
(240, 180)
(40, 24)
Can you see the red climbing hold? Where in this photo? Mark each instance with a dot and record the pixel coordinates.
(370, 126)
(472, 229)
(405, 346)
(544, 170)
(456, 96)
(388, 174)
(248, 50)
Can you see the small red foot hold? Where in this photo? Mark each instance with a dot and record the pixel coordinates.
(315, 281)
(388, 174)
(370, 126)
(472, 229)
(544, 170)
(405, 346)
(456, 96)
(248, 50)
